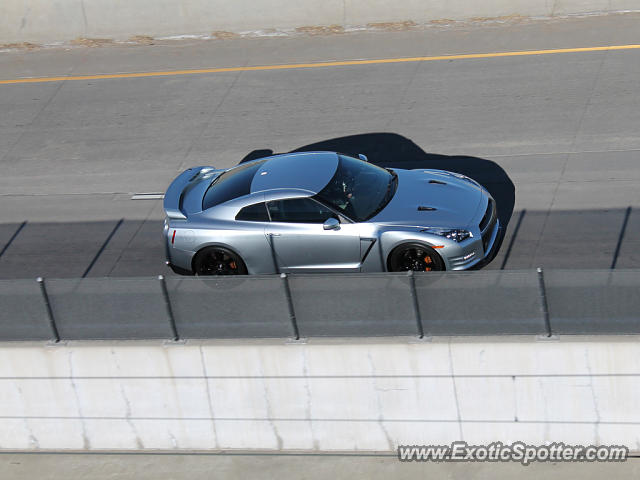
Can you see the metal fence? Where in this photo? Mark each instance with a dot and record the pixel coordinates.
(491, 302)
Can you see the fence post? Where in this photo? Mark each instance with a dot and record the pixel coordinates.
(167, 302)
(292, 313)
(414, 299)
(543, 302)
(52, 321)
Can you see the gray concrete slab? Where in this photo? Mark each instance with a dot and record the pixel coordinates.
(49, 248)
(565, 239)
(598, 231)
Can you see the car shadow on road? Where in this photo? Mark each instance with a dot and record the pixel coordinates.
(395, 151)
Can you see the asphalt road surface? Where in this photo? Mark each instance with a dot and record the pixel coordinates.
(555, 136)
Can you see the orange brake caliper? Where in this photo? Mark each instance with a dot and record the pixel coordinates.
(427, 260)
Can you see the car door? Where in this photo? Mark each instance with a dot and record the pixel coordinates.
(301, 243)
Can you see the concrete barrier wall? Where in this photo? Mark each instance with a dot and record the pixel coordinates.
(46, 21)
(335, 395)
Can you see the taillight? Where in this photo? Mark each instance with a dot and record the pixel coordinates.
(173, 237)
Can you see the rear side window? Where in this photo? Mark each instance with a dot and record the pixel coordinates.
(231, 184)
(299, 210)
(254, 213)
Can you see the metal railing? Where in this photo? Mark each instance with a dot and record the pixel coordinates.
(488, 302)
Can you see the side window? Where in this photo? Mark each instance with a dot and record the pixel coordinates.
(299, 210)
(253, 213)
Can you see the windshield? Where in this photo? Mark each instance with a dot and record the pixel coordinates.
(359, 190)
(231, 184)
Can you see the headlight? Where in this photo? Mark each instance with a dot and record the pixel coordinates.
(455, 234)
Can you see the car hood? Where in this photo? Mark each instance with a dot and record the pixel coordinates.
(446, 200)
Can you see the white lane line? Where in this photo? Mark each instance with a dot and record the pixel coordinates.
(147, 196)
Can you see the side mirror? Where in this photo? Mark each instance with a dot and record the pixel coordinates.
(331, 224)
(363, 157)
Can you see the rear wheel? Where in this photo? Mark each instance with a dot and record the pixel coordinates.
(416, 257)
(218, 261)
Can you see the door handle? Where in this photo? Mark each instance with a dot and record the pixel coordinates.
(274, 234)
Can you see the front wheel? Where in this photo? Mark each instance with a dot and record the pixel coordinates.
(218, 261)
(416, 257)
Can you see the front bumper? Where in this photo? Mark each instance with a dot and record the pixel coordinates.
(474, 251)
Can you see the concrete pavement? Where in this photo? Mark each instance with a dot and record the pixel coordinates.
(309, 467)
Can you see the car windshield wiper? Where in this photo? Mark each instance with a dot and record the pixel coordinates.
(392, 183)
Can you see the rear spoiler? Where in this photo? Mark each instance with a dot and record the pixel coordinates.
(181, 185)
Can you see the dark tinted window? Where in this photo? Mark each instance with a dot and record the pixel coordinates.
(254, 213)
(299, 210)
(231, 184)
(359, 190)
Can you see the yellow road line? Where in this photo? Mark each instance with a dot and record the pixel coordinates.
(318, 65)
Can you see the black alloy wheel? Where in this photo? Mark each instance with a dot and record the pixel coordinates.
(218, 261)
(416, 257)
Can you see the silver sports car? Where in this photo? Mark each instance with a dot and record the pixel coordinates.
(325, 212)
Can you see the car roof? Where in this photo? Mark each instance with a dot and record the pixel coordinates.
(305, 170)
